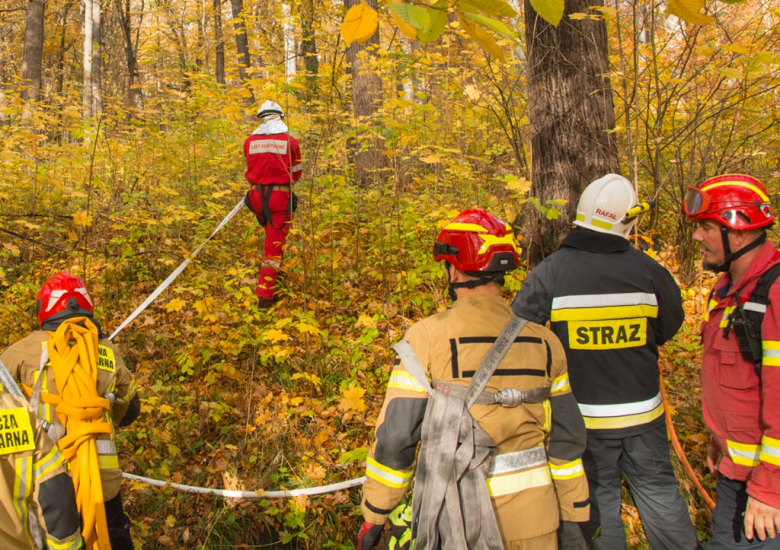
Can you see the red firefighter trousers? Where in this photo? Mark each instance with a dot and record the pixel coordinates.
(274, 239)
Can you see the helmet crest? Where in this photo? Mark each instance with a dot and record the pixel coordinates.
(477, 241)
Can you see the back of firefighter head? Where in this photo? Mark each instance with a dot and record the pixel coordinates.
(603, 206)
(61, 297)
(269, 109)
(479, 244)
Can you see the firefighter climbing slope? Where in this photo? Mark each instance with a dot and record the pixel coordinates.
(273, 164)
(612, 306)
(85, 392)
(516, 451)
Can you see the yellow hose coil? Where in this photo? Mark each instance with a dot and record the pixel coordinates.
(73, 352)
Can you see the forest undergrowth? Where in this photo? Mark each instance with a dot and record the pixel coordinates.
(240, 398)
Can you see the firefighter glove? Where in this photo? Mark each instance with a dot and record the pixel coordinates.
(369, 535)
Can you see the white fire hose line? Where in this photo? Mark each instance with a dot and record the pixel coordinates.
(176, 272)
(250, 494)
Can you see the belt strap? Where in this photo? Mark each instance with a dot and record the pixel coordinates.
(506, 397)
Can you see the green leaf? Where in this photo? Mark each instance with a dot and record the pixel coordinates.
(413, 15)
(549, 10)
(493, 25)
(492, 7)
(438, 22)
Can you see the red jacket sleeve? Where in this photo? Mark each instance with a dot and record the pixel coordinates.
(764, 482)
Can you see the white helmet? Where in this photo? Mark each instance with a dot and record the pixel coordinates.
(269, 108)
(604, 203)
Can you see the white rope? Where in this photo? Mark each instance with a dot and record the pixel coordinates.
(176, 272)
(250, 494)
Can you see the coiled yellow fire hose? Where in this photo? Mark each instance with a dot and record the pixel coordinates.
(73, 351)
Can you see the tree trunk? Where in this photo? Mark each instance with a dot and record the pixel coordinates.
(219, 46)
(97, 58)
(311, 61)
(87, 83)
(32, 56)
(134, 92)
(242, 42)
(64, 47)
(366, 103)
(290, 53)
(571, 115)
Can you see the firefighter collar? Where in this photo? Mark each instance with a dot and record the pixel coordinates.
(593, 241)
(271, 125)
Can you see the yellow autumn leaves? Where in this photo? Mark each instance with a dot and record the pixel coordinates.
(478, 19)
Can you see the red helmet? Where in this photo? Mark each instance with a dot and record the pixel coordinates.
(737, 201)
(476, 240)
(62, 293)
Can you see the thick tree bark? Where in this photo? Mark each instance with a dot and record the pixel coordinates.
(64, 47)
(571, 115)
(32, 55)
(134, 92)
(366, 103)
(219, 46)
(311, 62)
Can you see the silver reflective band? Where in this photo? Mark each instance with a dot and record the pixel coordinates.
(604, 300)
(754, 306)
(105, 447)
(520, 460)
(621, 409)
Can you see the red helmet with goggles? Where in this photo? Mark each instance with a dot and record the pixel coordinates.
(62, 296)
(737, 201)
(477, 241)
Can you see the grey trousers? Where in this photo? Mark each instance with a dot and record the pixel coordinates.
(644, 460)
(727, 522)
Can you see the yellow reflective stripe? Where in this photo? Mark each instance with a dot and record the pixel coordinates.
(560, 384)
(724, 321)
(471, 227)
(108, 462)
(601, 224)
(744, 454)
(518, 481)
(402, 380)
(72, 545)
(387, 476)
(547, 416)
(602, 313)
(22, 487)
(711, 305)
(44, 466)
(771, 353)
(490, 240)
(570, 470)
(770, 450)
(615, 422)
(750, 186)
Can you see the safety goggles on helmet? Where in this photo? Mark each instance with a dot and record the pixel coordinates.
(696, 202)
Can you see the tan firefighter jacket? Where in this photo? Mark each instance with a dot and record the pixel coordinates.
(23, 361)
(537, 477)
(33, 482)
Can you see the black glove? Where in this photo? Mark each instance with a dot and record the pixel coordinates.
(570, 536)
(369, 535)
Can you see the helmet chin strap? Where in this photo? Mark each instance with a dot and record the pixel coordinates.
(473, 283)
(731, 256)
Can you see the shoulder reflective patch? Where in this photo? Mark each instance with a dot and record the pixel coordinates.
(106, 359)
(16, 434)
(268, 146)
(724, 321)
(608, 334)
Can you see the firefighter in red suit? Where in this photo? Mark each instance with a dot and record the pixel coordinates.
(739, 394)
(273, 164)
